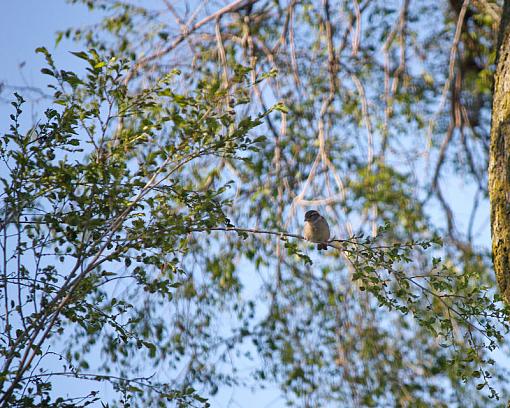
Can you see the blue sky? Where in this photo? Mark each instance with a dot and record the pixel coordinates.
(24, 26)
(28, 24)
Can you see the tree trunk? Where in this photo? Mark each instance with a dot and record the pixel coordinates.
(499, 160)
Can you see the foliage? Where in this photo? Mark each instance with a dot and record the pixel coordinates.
(148, 218)
(83, 197)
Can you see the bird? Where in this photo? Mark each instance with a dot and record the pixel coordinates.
(316, 229)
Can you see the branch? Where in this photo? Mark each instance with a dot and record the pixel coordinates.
(237, 4)
(280, 234)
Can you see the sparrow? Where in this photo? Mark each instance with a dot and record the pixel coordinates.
(316, 229)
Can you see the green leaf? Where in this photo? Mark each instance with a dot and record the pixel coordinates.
(81, 54)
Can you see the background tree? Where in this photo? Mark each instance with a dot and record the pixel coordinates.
(142, 255)
(499, 176)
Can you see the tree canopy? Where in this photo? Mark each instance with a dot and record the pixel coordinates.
(151, 219)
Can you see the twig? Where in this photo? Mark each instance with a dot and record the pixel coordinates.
(227, 9)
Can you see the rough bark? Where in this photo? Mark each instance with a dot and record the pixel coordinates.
(499, 161)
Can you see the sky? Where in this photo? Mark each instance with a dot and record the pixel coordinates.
(28, 24)
(24, 26)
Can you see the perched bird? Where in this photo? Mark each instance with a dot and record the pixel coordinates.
(316, 229)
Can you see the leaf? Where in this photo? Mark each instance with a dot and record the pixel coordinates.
(281, 107)
(60, 34)
(81, 54)
(42, 50)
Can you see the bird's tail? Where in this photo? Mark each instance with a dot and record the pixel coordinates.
(322, 246)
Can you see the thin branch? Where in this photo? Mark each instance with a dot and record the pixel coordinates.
(227, 9)
(451, 68)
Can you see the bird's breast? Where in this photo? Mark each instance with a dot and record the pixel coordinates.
(308, 231)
